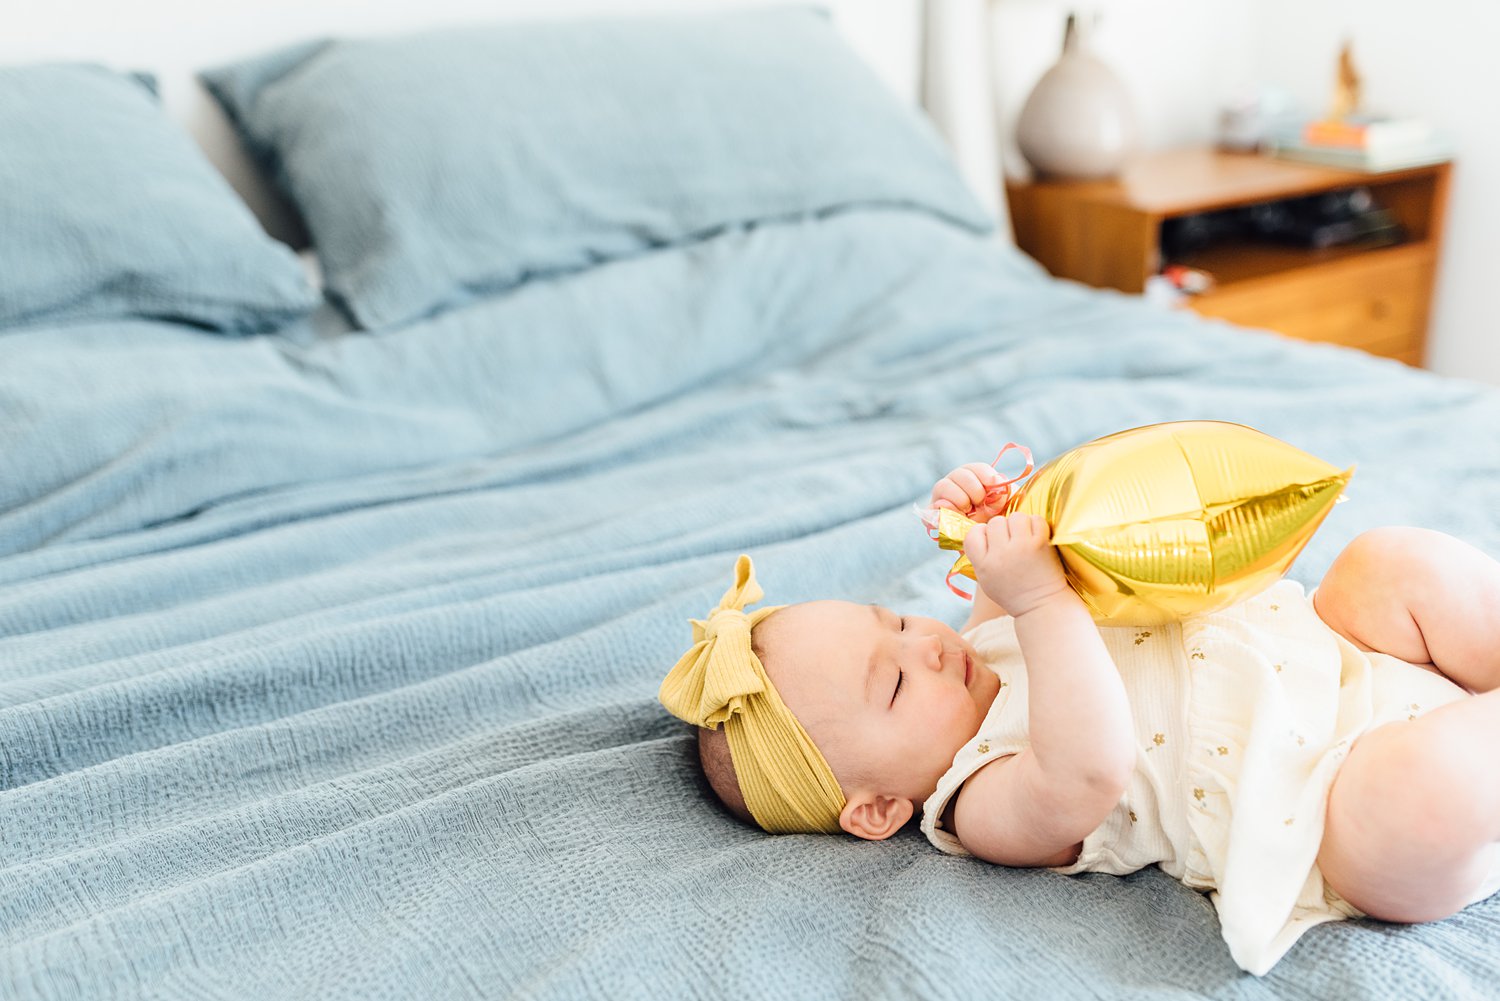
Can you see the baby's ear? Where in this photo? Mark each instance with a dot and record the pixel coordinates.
(875, 817)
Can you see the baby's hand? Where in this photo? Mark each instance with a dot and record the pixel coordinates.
(1015, 564)
(964, 490)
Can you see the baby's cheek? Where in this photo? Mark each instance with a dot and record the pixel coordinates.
(960, 723)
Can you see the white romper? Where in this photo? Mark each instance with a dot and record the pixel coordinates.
(1242, 718)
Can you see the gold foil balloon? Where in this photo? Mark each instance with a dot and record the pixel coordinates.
(1169, 520)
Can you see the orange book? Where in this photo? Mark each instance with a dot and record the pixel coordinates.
(1367, 133)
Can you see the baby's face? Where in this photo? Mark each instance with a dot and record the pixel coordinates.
(888, 699)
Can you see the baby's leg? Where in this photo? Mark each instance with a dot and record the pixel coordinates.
(1421, 596)
(1414, 813)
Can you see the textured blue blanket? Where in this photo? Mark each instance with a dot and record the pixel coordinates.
(328, 662)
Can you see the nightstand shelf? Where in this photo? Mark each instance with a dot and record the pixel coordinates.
(1108, 233)
(1245, 262)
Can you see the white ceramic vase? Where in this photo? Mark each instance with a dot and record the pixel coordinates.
(1078, 122)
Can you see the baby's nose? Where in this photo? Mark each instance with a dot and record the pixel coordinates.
(932, 652)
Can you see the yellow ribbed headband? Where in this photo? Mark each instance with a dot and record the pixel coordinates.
(784, 778)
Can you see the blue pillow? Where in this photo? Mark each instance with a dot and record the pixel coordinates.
(109, 210)
(437, 167)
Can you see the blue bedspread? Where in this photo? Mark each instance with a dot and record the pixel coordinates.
(328, 661)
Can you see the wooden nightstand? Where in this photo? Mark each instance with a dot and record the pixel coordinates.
(1108, 233)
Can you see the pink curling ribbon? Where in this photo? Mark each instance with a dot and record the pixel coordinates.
(996, 496)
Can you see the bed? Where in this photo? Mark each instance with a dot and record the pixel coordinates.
(332, 618)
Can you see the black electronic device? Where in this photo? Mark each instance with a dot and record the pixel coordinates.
(1330, 219)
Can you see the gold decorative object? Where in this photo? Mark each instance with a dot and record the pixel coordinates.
(1346, 91)
(1169, 520)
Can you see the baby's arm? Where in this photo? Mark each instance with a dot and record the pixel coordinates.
(1036, 807)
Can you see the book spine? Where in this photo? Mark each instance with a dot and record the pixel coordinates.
(1369, 136)
(1342, 135)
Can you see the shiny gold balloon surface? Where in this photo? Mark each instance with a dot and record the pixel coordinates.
(1175, 519)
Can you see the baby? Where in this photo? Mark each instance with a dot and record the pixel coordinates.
(1304, 758)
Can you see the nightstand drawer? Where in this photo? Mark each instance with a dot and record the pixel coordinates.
(1377, 301)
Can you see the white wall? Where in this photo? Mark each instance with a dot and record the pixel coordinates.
(1439, 59)
(1183, 59)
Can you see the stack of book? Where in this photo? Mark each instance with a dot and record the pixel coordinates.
(1364, 143)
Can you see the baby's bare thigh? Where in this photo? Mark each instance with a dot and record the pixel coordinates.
(1414, 813)
(1421, 596)
(1368, 592)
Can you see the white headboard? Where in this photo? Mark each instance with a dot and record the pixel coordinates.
(175, 38)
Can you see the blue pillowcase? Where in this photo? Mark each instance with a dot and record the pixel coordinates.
(109, 210)
(437, 167)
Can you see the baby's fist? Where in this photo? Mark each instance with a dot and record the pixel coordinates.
(966, 490)
(1015, 562)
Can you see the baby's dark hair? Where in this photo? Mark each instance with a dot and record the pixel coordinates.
(718, 765)
(718, 768)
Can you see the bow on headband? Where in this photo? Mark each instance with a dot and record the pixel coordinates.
(784, 778)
